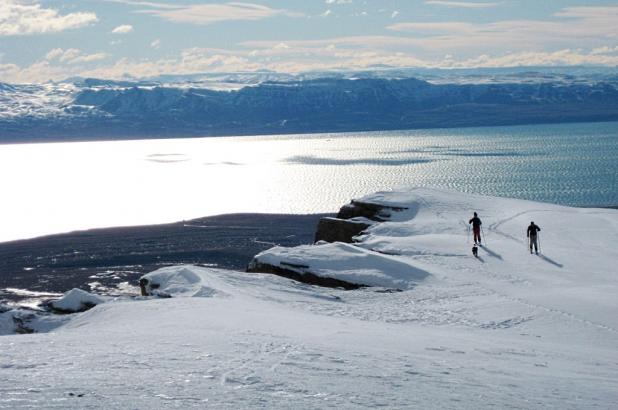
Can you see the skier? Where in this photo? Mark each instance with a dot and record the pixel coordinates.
(476, 228)
(532, 237)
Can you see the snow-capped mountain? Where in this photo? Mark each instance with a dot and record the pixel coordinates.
(270, 103)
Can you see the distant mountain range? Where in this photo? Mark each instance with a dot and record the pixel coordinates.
(92, 109)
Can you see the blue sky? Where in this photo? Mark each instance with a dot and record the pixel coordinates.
(56, 39)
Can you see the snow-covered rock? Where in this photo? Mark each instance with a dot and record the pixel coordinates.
(76, 300)
(178, 282)
(24, 321)
(345, 262)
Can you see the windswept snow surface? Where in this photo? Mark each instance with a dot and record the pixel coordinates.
(509, 330)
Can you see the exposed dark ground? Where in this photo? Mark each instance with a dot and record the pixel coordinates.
(58, 263)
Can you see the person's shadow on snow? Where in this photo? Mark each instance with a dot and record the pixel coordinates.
(553, 262)
(490, 252)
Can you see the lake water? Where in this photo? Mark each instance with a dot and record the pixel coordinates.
(59, 187)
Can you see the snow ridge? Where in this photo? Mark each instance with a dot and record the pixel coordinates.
(506, 330)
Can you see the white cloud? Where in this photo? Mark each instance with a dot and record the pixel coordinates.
(605, 50)
(575, 27)
(72, 56)
(123, 29)
(326, 13)
(88, 58)
(353, 42)
(398, 51)
(590, 12)
(155, 44)
(8, 71)
(394, 14)
(145, 4)
(54, 54)
(69, 55)
(210, 13)
(575, 36)
(290, 59)
(437, 27)
(62, 55)
(339, 1)
(463, 4)
(564, 57)
(18, 18)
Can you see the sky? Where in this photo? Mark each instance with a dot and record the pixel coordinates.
(42, 40)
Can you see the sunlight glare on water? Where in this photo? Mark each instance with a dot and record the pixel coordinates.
(50, 188)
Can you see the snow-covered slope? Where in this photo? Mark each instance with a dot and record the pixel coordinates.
(35, 100)
(507, 330)
(431, 234)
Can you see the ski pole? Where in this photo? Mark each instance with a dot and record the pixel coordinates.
(483, 234)
(538, 240)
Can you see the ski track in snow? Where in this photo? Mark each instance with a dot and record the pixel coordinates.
(509, 331)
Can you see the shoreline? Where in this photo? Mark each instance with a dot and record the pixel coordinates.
(107, 257)
(189, 221)
(286, 133)
(101, 259)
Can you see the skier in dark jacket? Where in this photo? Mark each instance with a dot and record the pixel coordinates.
(532, 237)
(476, 228)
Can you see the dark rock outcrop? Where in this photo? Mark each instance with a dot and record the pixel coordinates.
(21, 324)
(143, 284)
(304, 276)
(58, 310)
(149, 288)
(375, 212)
(338, 230)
